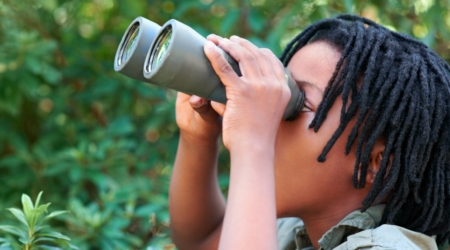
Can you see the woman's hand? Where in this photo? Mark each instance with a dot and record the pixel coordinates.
(256, 100)
(198, 122)
(255, 105)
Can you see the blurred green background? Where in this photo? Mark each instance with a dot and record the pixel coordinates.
(102, 145)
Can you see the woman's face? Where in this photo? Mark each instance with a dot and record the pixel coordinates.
(305, 186)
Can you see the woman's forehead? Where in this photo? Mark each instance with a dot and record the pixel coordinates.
(314, 63)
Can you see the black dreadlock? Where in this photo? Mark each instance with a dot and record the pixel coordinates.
(403, 97)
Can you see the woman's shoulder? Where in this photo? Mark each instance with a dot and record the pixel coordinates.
(388, 237)
(358, 230)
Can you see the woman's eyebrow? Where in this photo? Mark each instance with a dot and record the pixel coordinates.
(302, 83)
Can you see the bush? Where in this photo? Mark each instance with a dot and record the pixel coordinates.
(34, 233)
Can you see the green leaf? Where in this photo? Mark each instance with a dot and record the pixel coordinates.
(33, 64)
(59, 169)
(73, 247)
(182, 8)
(38, 199)
(49, 5)
(229, 21)
(13, 230)
(257, 21)
(349, 6)
(10, 161)
(45, 247)
(146, 210)
(11, 102)
(48, 239)
(121, 126)
(37, 212)
(41, 209)
(27, 205)
(26, 240)
(19, 215)
(5, 246)
(55, 235)
(54, 214)
(50, 74)
(39, 228)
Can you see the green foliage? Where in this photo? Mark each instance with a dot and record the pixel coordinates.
(34, 233)
(102, 145)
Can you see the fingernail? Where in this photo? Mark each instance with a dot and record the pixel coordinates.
(209, 45)
(216, 36)
(199, 104)
(234, 36)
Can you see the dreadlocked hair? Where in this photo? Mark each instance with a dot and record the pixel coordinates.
(398, 90)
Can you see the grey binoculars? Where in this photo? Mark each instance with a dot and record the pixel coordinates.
(172, 56)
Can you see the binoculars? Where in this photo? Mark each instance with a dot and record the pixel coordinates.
(172, 56)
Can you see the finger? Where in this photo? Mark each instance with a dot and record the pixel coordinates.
(279, 70)
(218, 107)
(182, 97)
(200, 105)
(277, 66)
(222, 68)
(196, 101)
(214, 38)
(264, 62)
(247, 61)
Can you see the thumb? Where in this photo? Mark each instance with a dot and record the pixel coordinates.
(218, 107)
(201, 105)
(220, 65)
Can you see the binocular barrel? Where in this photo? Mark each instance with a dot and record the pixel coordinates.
(176, 60)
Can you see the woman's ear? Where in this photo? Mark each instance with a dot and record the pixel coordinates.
(375, 159)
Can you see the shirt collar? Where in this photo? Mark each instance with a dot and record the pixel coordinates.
(354, 222)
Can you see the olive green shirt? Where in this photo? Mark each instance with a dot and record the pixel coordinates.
(356, 231)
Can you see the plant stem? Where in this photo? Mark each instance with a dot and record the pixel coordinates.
(30, 235)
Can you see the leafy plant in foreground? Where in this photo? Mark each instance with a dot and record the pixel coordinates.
(34, 233)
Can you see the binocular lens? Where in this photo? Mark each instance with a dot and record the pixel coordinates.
(161, 47)
(130, 43)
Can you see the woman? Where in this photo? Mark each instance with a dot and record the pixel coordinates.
(365, 165)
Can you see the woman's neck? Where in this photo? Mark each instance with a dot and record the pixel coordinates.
(318, 223)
